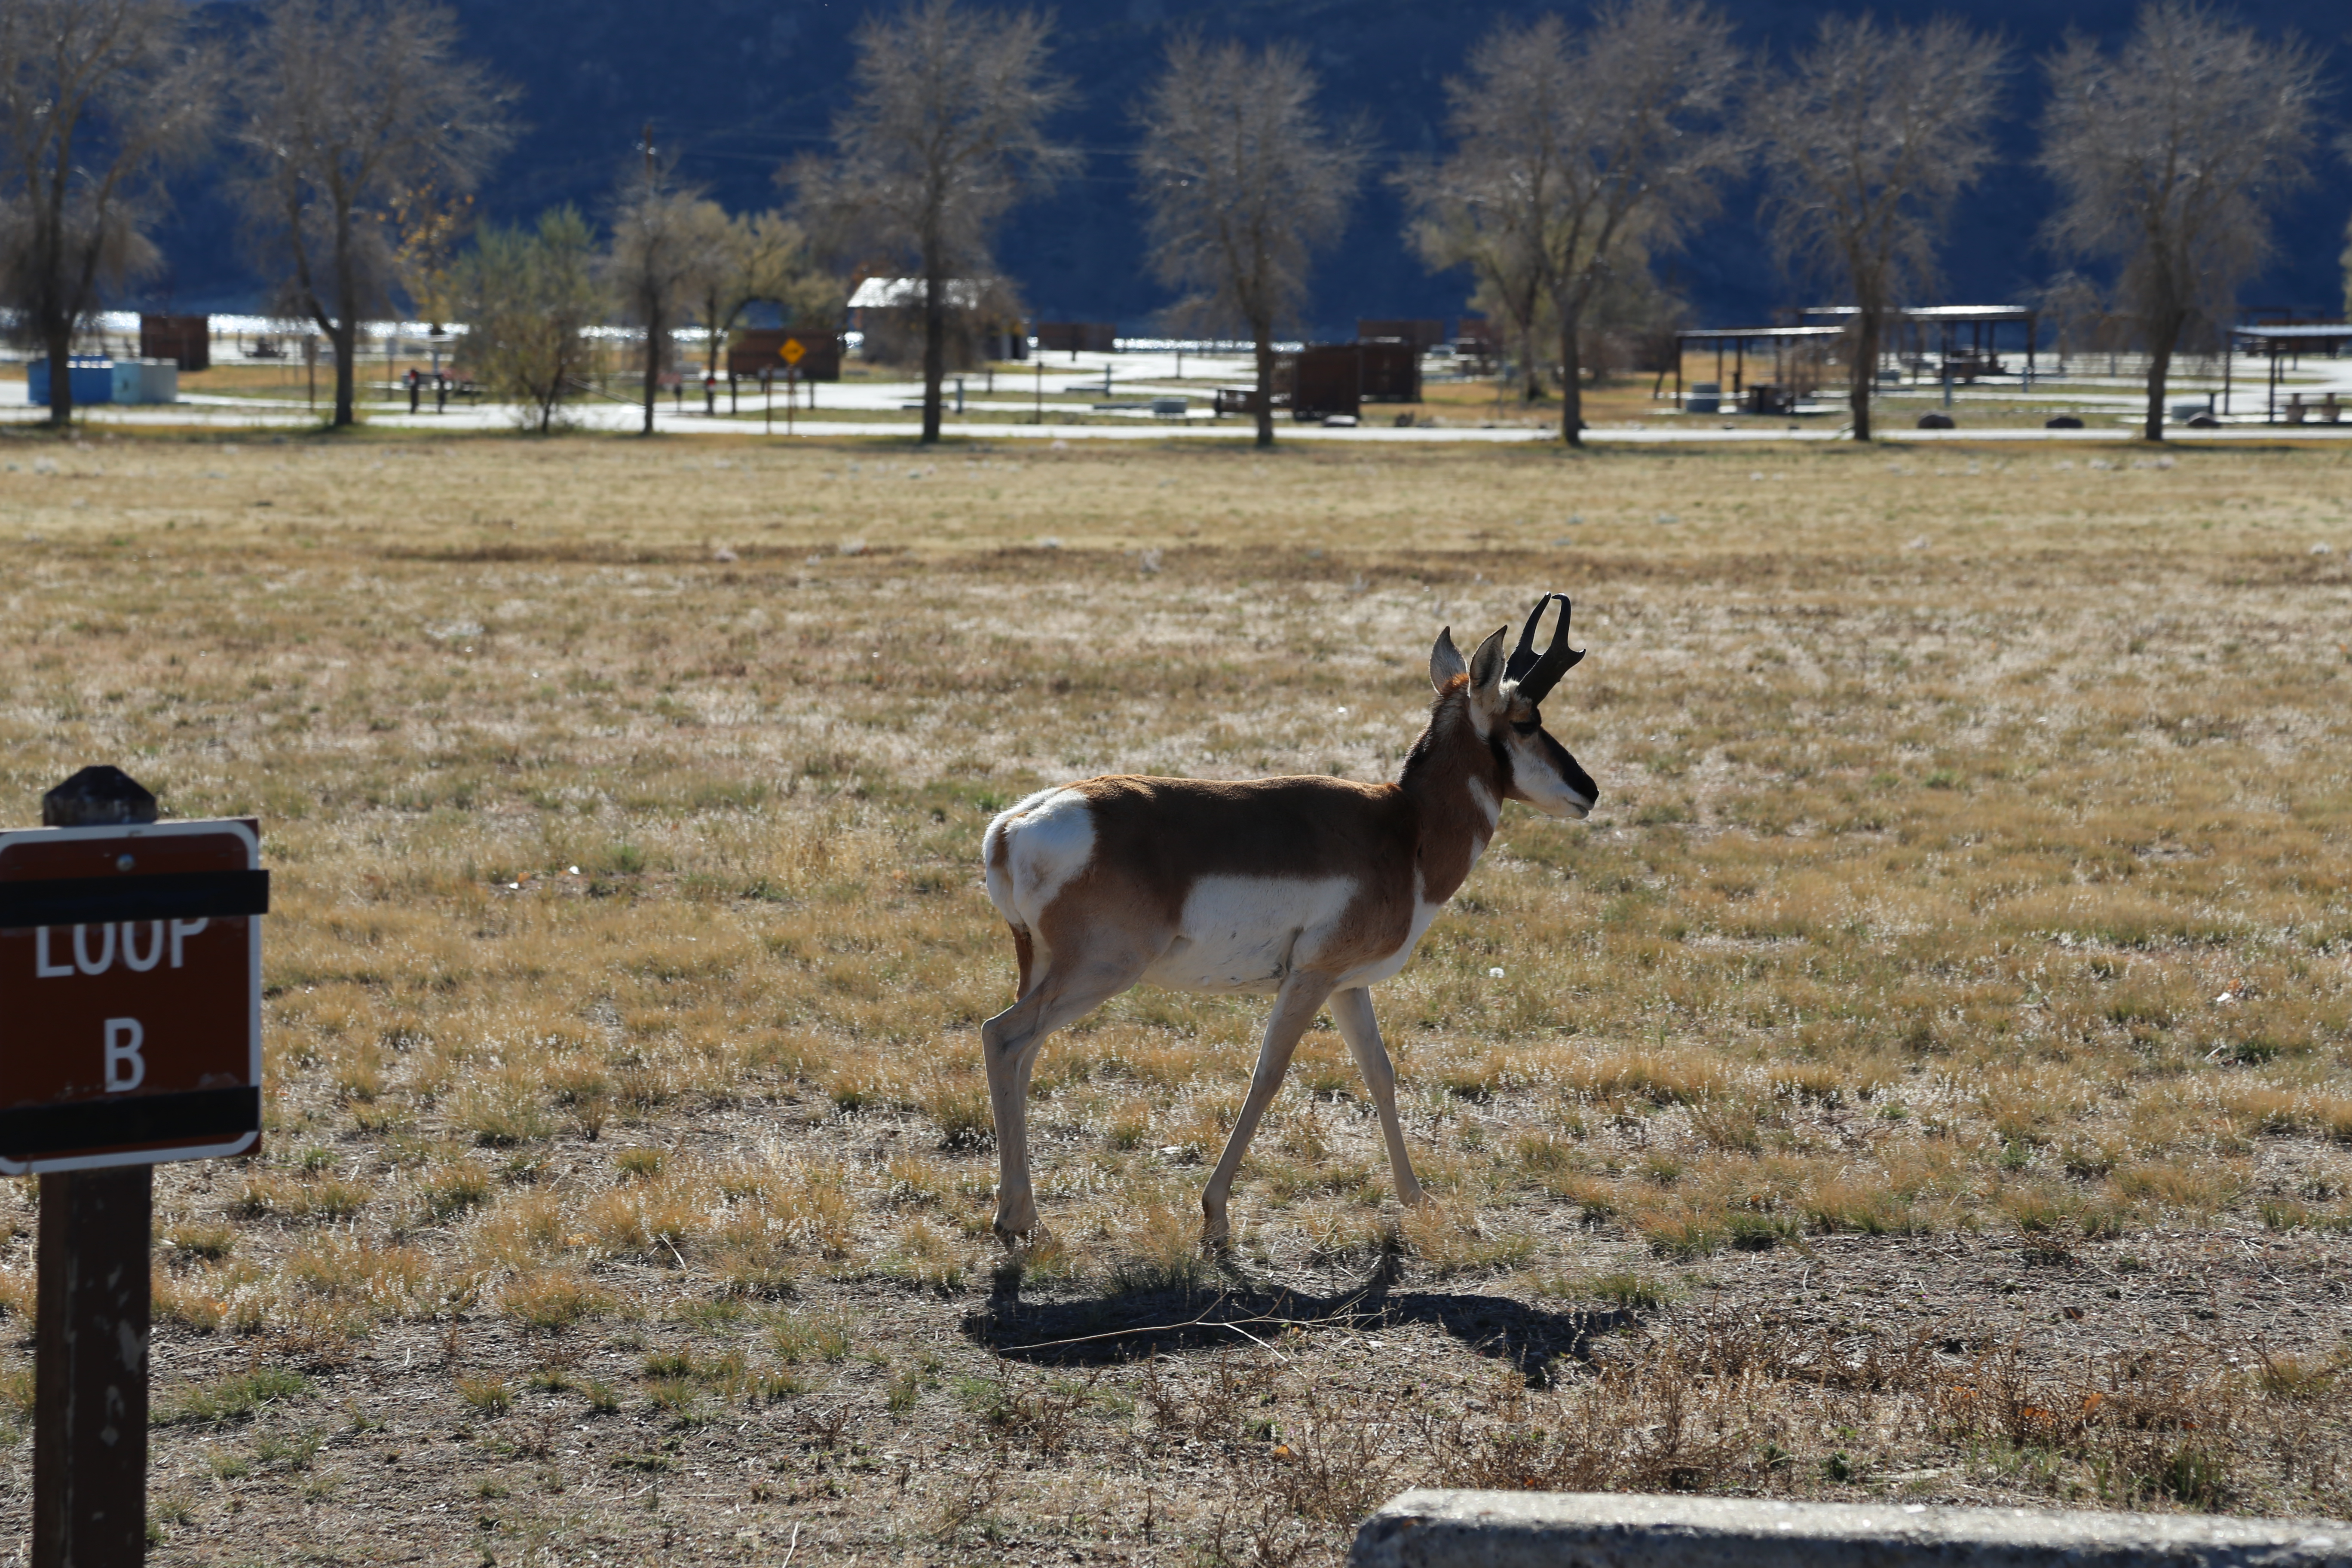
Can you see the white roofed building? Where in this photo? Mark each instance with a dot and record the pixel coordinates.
(907, 293)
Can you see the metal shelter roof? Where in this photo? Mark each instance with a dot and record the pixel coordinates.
(2322, 332)
(1748, 334)
(1938, 312)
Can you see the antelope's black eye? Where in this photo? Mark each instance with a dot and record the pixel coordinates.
(1527, 727)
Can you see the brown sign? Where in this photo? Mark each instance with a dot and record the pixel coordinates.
(756, 350)
(130, 994)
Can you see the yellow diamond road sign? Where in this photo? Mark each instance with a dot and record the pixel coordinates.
(793, 351)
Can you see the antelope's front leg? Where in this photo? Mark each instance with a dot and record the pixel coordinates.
(1352, 1011)
(1294, 1006)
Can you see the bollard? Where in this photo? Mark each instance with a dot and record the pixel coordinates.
(1430, 1529)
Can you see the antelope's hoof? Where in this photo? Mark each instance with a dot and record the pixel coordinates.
(1016, 1235)
(1016, 1212)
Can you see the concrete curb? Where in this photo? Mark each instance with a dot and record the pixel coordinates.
(1428, 1529)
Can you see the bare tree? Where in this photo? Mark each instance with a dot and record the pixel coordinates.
(666, 241)
(346, 105)
(945, 134)
(2171, 156)
(530, 295)
(1244, 181)
(2073, 315)
(97, 98)
(2344, 145)
(1465, 213)
(1589, 150)
(759, 257)
(1866, 144)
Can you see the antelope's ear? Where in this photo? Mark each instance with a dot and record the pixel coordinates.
(1445, 660)
(1486, 668)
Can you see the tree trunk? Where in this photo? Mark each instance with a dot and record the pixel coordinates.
(2159, 369)
(1264, 333)
(58, 340)
(346, 332)
(345, 335)
(1865, 369)
(653, 360)
(1572, 380)
(710, 354)
(935, 354)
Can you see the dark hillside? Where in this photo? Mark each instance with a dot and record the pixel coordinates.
(741, 86)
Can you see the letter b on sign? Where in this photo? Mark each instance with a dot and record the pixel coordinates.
(125, 1068)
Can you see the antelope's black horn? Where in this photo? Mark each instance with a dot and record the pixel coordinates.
(1536, 674)
(1523, 657)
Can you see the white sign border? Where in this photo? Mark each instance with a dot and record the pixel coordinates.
(178, 828)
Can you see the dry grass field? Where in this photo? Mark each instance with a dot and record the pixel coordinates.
(1926, 1075)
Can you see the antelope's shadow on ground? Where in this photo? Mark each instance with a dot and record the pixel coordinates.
(1234, 1310)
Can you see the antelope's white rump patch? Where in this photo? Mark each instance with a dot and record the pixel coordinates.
(1047, 839)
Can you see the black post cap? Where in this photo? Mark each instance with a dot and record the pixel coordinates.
(100, 796)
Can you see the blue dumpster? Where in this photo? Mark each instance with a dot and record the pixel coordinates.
(90, 380)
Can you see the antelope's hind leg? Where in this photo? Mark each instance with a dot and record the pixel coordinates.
(1352, 1011)
(1009, 1044)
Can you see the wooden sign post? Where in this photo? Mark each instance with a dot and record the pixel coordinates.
(130, 1035)
(791, 354)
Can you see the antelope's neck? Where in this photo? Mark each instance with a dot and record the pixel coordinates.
(1457, 792)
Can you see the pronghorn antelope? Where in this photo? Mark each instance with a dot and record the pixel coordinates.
(1310, 888)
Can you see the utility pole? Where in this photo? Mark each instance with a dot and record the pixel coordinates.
(653, 324)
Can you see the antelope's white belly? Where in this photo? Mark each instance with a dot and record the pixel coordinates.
(1247, 933)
